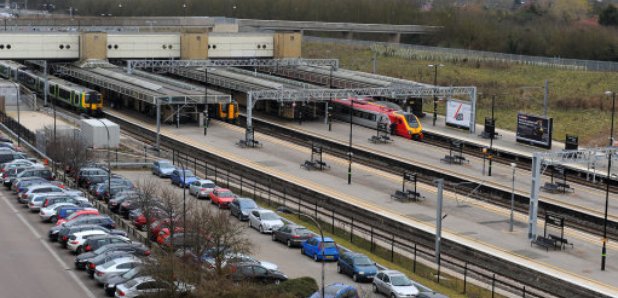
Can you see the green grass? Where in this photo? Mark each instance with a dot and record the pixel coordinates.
(577, 101)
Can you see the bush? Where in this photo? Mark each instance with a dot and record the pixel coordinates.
(298, 287)
(609, 16)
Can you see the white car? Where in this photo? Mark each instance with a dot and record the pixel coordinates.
(39, 189)
(394, 284)
(201, 188)
(114, 267)
(264, 220)
(77, 240)
(146, 285)
(50, 211)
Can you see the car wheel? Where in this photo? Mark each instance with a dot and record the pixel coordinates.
(288, 243)
(53, 219)
(393, 295)
(355, 277)
(315, 257)
(261, 229)
(338, 268)
(375, 288)
(79, 250)
(302, 251)
(274, 238)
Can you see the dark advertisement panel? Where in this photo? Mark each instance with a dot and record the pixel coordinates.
(534, 130)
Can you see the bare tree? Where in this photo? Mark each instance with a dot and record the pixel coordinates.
(68, 151)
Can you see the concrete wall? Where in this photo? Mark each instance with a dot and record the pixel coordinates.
(93, 45)
(194, 46)
(288, 45)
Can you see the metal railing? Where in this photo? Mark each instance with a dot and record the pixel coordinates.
(409, 51)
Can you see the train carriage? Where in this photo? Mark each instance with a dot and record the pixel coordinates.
(369, 113)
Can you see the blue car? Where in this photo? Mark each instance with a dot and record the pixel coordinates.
(356, 265)
(337, 290)
(182, 179)
(162, 168)
(319, 248)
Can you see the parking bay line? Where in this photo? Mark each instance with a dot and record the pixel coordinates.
(89, 293)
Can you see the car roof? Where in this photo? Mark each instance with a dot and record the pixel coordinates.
(326, 239)
(206, 181)
(354, 254)
(392, 272)
(91, 232)
(163, 161)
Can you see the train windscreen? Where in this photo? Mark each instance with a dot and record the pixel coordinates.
(93, 97)
(412, 121)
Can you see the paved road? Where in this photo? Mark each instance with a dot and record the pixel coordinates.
(31, 265)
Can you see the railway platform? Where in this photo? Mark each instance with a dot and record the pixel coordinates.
(587, 200)
(479, 224)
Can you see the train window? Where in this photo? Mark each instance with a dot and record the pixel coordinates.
(164, 47)
(8, 46)
(1, 47)
(169, 47)
(64, 94)
(61, 46)
(116, 46)
(68, 46)
(50, 88)
(109, 46)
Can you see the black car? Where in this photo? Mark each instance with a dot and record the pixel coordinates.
(104, 258)
(256, 272)
(116, 189)
(114, 203)
(99, 220)
(7, 156)
(34, 172)
(136, 248)
(127, 206)
(292, 235)
(240, 207)
(95, 242)
(110, 284)
(65, 234)
(85, 175)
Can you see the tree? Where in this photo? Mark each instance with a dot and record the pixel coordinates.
(69, 151)
(609, 16)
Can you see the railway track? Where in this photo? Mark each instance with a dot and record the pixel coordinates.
(576, 217)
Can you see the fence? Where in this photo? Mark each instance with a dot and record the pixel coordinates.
(409, 51)
(362, 233)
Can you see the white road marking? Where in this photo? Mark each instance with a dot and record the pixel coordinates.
(51, 251)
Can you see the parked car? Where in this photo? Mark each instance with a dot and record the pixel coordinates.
(256, 272)
(86, 224)
(264, 220)
(319, 249)
(6, 156)
(115, 267)
(394, 284)
(84, 175)
(115, 202)
(201, 188)
(96, 242)
(425, 292)
(127, 206)
(48, 212)
(109, 256)
(241, 207)
(292, 235)
(337, 290)
(65, 211)
(39, 189)
(138, 249)
(111, 281)
(55, 199)
(35, 171)
(145, 218)
(146, 285)
(357, 266)
(182, 178)
(22, 184)
(231, 259)
(77, 240)
(116, 188)
(77, 214)
(221, 197)
(162, 168)
(158, 225)
(10, 176)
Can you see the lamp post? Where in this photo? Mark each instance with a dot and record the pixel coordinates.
(513, 167)
(109, 168)
(493, 133)
(284, 209)
(18, 114)
(350, 144)
(184, 10)
(435, 98)
(609, 168)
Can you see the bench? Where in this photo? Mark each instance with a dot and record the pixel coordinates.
(564, 187)
(550, 187)
(544, 242)
(252, 144)
(559, 240)
(409, 195)
(454, 159)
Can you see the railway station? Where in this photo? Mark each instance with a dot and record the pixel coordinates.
(462, 186)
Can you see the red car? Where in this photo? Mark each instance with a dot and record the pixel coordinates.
(77, 214)
(165, 233)
(157, 225)
(222, 197)
(154, 214)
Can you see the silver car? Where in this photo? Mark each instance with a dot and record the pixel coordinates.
(146, 285)
(201, 188)
(51, 211)
(114, 267)
(162, 168)
(264, 221)
(394, 284)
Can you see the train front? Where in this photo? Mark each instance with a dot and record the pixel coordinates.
(412, 125)
(93, 103)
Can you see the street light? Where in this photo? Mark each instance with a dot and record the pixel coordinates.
(493, 133)
(513, 167)
(284, 209)
(350, 144)
(609, 168)
(435, 98)
(109, 168)
(18, 117)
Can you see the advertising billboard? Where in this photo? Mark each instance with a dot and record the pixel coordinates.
(534, 130)
(458, 113)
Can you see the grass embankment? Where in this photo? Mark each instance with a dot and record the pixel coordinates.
(577, 101)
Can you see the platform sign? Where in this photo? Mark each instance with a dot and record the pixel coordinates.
(458, 113)
(534, 130)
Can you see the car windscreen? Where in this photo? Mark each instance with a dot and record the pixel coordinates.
(328, 244)
(208, 185)
(362, 261)
(166, 165)
(187, 173)
(247, 204)
(400, 281)
(301, 231)
(131, 273)
(269, 216)
(108, 264)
